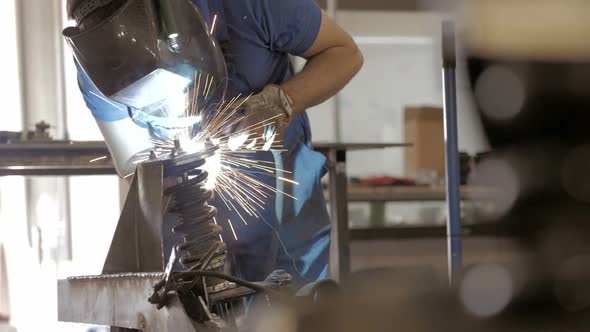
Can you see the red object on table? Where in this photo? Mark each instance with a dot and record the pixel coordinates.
(387, 181)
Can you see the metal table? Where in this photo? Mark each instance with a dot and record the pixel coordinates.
(338, 200)
(92, 158)
(55, 158)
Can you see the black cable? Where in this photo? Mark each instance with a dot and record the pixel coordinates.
(227, 277)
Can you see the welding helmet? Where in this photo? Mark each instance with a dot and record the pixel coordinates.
(156, 56)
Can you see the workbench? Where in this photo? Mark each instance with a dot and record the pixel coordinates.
(338, 200)
(378, 196)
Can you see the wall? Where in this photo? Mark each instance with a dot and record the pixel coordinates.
(402, 67)
(35, 212)
(41, 63)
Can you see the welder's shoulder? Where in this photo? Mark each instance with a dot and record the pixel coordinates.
(287, 25)
(273, 10)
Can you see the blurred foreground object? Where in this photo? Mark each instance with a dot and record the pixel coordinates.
(535, 30)
(529, 68)
(529, 64)
(489, 298)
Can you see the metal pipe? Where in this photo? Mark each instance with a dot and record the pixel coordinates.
(340, 235)
(60, 65)
(455, 250)
(331, 8)
(22, 68)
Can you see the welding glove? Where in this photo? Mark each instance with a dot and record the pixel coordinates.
(266, 116)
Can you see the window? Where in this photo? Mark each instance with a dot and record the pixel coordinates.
(81, 124)
(9, 80)
(94, 200)
(12, 190)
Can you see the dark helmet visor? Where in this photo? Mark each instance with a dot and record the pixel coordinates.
(150, 51)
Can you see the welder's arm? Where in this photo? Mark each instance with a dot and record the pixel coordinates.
(333, 60)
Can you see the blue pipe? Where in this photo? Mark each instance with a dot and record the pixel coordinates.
(453, 179)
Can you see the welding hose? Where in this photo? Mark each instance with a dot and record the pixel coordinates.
(227, 277)
(157, 299)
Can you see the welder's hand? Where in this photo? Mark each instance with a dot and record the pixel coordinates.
(266, 117)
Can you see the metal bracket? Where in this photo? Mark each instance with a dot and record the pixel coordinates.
(137, 243)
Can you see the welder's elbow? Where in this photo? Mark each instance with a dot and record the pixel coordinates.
(357, 59)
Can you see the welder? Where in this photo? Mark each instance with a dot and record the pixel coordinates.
(257, 39)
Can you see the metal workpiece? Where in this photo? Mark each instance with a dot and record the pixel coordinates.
(202, 247)
(121, 301)
(167, 222)
(180, 162)
(133, 292)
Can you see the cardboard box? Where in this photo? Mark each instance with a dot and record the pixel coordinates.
(424, 127)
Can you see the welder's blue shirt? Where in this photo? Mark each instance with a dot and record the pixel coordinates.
(257, 37)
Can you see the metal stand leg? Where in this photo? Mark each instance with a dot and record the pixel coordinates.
(455, 250)
(340, 238)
